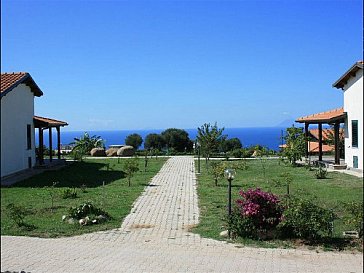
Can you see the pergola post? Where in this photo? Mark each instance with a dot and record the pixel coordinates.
(320, 141)
(59, 141)
(40, 152)
(50, 145)
(337, 151)
(306, 139)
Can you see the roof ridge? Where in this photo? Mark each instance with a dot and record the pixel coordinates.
(14, 73)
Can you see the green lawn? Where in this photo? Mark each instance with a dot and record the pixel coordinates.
(328, 192)
(115, 197)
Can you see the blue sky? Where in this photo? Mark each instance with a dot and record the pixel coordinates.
(113, 65)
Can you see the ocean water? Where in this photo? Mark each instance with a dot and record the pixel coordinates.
(269, 137)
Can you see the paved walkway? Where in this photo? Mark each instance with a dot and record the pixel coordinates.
(154, 237)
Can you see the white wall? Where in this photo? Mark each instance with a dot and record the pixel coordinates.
(353, 105)
(17, 110)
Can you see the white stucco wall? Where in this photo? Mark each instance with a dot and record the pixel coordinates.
(353, 105)
(17, 110)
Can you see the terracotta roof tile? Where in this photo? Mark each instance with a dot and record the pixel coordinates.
(326, 133)
(10, 80)
(47, 122)
(314, 147)
(324, 117)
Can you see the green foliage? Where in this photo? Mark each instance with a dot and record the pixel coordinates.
(154, 141)
(16, 213)
(177, 140)
(354, 217)
(237, 153)
(86, 209)
(84, 144)
(134, 140)
(217, 170)
(130, 167)
(209, 137)
(69, 193)
(227, 146)
(339, 188)
(241, 226)
(295, 144)
(305, 219)
(321, 172)
(52, 193)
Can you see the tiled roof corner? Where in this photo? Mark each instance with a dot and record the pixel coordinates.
(11, 80)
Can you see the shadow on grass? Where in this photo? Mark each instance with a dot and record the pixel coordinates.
(335, 243)
(90, 174)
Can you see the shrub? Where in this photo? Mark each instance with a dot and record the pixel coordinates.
(69, 193)
(16, 213)
(304, 219)
(241, 226)
(258, 211)
(237, 153)
(321, 172)
(355, 216)
(86, 210)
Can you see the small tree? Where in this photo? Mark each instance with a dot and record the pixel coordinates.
(218, 169)
(134, 140)
(131, 166)
(295, 144)
(209, 136)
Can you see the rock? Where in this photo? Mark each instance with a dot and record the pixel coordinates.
(83, 222)
(98, 152)
(224, 233)
(111, 152)
(126, 151)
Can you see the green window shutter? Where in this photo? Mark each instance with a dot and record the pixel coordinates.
(354, 133)
(355, 162)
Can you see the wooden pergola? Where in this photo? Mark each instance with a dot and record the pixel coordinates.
(335, 117)
(47, 124)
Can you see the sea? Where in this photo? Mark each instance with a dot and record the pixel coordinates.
(269, 137)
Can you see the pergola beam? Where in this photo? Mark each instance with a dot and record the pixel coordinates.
(320, 141)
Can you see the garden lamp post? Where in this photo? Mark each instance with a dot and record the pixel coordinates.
(229, 175)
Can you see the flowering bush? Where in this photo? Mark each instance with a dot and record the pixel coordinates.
(305, 219)
(258, 209)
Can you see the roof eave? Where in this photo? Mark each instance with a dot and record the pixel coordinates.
(340, 83)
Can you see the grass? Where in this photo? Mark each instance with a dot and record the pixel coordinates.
(106, 187)
(329, 193)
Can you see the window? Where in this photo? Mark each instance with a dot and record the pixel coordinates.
(29, 137)
(29, 162)
(354, 133)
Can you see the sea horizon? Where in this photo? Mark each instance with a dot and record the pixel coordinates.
(270, 137)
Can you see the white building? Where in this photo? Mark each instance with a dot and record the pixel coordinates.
(18, 123)
(17, 129)
(351, 82)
